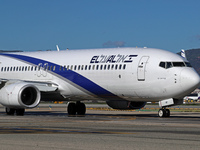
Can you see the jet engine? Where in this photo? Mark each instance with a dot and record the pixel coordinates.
(125, 105)
(19, 95)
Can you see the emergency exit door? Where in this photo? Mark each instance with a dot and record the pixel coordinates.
(142, 68)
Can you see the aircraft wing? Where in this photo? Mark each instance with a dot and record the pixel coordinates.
(42, 86)
(45, 86)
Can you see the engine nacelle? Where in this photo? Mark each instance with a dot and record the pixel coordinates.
(125, 105)
(19, 95)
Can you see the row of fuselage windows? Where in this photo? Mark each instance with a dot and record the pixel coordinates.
(94, 67)
(65, 68)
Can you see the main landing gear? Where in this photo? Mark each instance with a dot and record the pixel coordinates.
(163, 112)
(77, 108)
(12, 111)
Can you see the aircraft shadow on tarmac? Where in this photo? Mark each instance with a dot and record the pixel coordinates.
(89, 115)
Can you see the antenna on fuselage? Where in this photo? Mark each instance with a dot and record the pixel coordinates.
(57, 48)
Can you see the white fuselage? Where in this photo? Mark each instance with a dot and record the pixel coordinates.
(133, 74)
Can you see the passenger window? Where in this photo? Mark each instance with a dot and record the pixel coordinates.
(112, 67)
(54, 68)
(85, 67)
(45, 67)
(108, 67)
(124, 66)
(104, 67)
(101, 67)
(93, 67)
(97, 67)
(71, 67)
(89, 67)
(116, 66)
(2, 69)
(10, 68)
(39, 67)
(120, 67)
(13, 68)
(5, 69)
(75, 67)
(79, 67)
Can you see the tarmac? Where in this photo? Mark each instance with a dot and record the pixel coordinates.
(49, 127)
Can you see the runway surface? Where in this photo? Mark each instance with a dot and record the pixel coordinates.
(49, 127)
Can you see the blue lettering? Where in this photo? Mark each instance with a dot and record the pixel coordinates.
(110, 59)
(130, 58)
(94, 58)
(113, 59)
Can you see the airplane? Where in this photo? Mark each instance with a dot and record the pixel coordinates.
(194, 97)
(126, 78)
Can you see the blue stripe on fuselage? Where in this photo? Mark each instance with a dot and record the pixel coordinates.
(68, 74)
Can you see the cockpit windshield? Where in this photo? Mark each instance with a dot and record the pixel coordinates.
(167, 65)
(178, 64)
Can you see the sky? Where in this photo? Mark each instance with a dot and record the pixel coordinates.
(31, 25)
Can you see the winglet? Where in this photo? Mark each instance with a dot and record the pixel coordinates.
(57, 48)
(183, 53)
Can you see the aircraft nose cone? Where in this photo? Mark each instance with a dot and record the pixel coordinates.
(190, 80)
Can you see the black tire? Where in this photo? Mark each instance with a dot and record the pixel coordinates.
(161, 113)
(71, 109)
(10, 111)
(167, 112)
(80, 108)
(20, 112)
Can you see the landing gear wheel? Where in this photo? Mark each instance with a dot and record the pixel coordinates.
(80, 108)
(167, 113)
(164, 112)
(76, 108)
(71, 109)
(20, 112)
(10, 111)
(161, 113)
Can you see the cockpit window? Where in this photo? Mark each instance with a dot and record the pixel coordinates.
(188, 64)
(178, 64)
(167, 65)
(162, 64)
